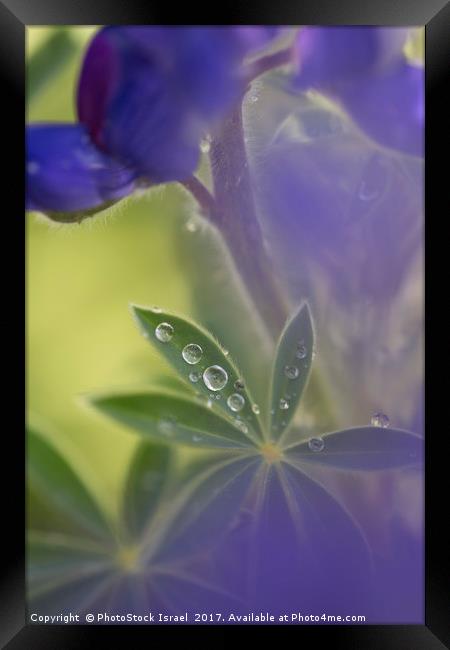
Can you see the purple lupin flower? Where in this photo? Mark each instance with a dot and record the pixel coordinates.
(365, 69)
(146, 97)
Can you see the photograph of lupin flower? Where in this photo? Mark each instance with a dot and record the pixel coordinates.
(249, 199)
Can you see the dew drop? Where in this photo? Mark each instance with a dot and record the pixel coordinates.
(194, 377)
(196, 438)
(379, 420)
(301, 351)
(241, 426)
(235, 402)
(316, 444)
(239, 384)
(156, 309)
(254, 99)
(215, 378)
(291, 372)
(191, 225)
(284, 404)
(166, 427)
(164, 332)
(256, 409)
(192, 353)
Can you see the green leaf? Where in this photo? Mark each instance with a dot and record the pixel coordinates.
(291, 370)
(361, 448)
(185, 333)
(147, 477)
(51, 478)
(171, 418)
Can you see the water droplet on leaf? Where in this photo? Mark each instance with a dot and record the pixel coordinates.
(215, 378)
(166, 427)
(239, 384)
(379, 420)
(194, 377)
(291, 372)
(284, 404)
(256, 409)
(241, 426)
(301, 351)
(316, 444)
(164, 332)
(235, 402)
(192, 353)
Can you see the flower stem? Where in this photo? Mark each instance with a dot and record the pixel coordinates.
(269, 62)
(239, 223)
(231, 208)
(204, 198)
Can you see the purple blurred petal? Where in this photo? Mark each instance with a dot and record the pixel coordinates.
(66, 172)
(390, 108)
(147, 94)
(365, 70)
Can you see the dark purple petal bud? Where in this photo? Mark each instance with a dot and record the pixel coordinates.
(364, 69)
(65, 172)
(147, 94)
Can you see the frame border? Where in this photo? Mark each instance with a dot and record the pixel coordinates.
(15, 16)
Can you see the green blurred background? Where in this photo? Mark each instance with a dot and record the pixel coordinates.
(80, 280)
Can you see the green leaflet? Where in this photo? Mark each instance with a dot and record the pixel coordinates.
(291, 369)
(171, 418)
(146, 480)
(186, 333)
(52, 479)
(361, 448)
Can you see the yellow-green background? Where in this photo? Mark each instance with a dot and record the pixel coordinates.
(80, 280)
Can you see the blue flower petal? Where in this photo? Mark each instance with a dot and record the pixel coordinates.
(364, 69)
(66, 172)
(147, 94)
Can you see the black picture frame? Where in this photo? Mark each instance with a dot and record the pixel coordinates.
(15, 16)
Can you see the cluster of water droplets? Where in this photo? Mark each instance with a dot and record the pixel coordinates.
(214, 377)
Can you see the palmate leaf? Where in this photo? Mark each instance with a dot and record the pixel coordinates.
(361, 448)
(171, 418)
(292, 365)
(184, 333)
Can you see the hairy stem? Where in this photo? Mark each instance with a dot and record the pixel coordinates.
(269, 62)
(232, 210)
(239, 223)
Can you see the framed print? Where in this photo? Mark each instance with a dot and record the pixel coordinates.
(225, 323)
